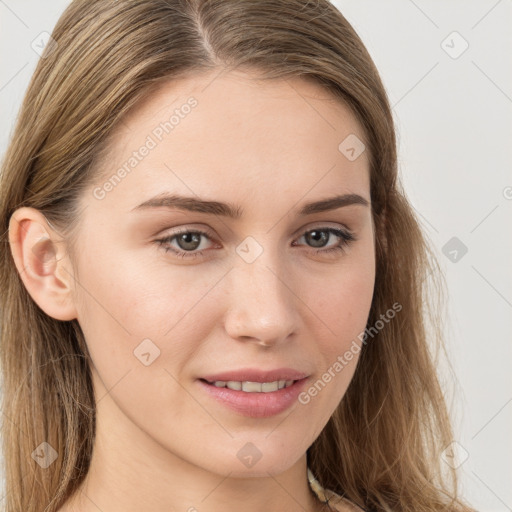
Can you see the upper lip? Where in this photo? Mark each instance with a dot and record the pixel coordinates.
(256, 375)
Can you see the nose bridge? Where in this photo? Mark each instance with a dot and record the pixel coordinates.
(262, 305)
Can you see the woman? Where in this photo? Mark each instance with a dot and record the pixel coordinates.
(213, 283)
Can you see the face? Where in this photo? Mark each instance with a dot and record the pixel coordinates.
(252, 286)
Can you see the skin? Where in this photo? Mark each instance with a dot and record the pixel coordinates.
(162, 444)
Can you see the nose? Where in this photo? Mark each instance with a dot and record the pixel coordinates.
(262, 302)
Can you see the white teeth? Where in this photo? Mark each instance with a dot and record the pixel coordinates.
(254, 387)
(251, 387)
(268, 386)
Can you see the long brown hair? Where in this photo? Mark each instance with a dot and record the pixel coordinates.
(382, 446)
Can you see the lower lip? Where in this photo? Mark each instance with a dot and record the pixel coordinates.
(256, 405)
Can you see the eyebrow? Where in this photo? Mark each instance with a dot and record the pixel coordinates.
(194, 204)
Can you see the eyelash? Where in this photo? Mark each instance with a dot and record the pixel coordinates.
(346, 237)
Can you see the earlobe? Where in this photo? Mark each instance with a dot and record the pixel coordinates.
(39, 256)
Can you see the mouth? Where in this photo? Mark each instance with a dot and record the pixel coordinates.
(261, 397)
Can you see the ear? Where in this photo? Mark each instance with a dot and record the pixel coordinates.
(39, 255)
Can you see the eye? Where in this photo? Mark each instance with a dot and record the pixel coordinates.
(189, 241)
(319, 237)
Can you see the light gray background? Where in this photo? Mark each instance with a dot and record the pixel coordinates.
(454, 123)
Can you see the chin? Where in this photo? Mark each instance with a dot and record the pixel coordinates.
(250, 461)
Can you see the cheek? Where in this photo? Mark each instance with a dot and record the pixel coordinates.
(138, 295)
(128, 301)
(346, 303)
(344, 299)
(341, 314)
(140, 331)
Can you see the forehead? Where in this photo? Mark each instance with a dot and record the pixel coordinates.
(233, 133)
